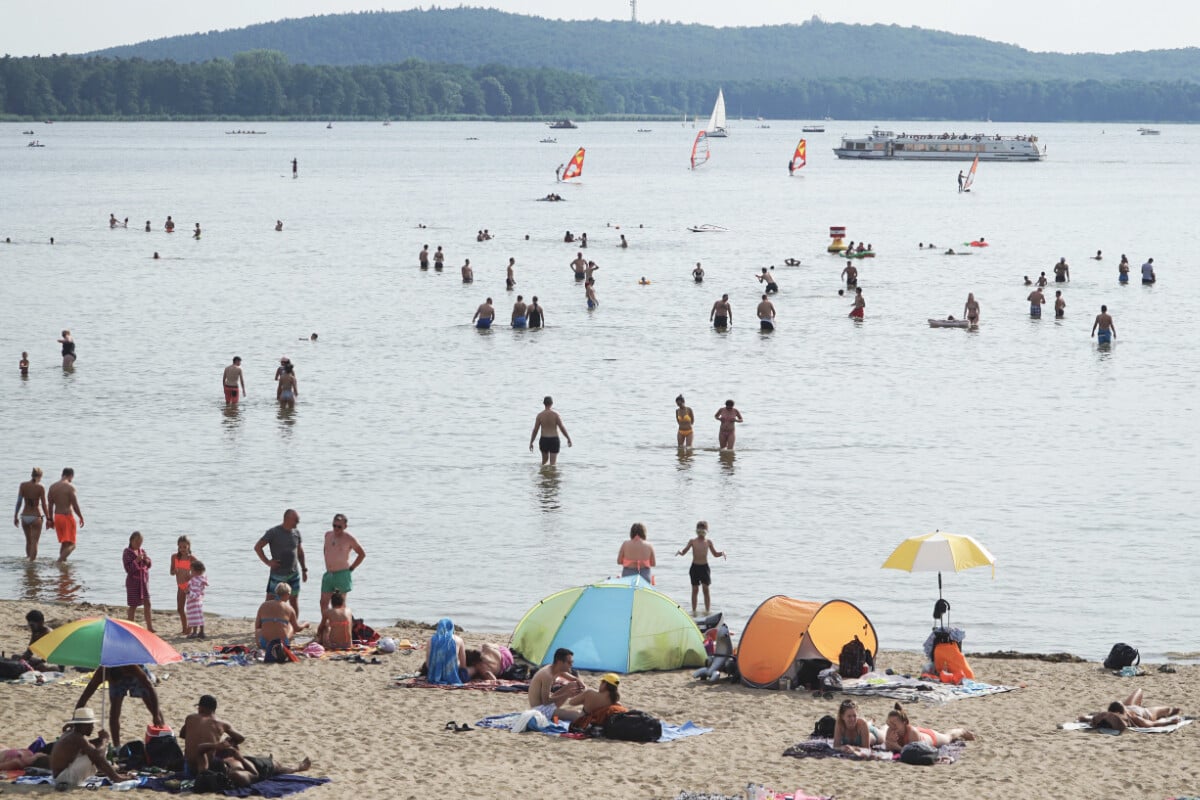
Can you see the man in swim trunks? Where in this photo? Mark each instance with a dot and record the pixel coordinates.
(721, 315)
(535, 314)
(554, 684)
(439, 259)
(202, 732)
(1036, 301)
(549, 423)
(766, 315)
(589, 292)
(62, 506)
(520, 313)
(509, 279)
(1148, 276)
(850, 274)
(860, 304)
(31, 511)
(75, 758)
(484, 315)
(1105, 325)
(231, 379)
(1060, 305)
(287, 550)
(769, 280)
(339, 570)
(423, 257)
(579, 265)
(244, 771)
(1062, 273)
(699, 573)
(468, 274)
(122, 681)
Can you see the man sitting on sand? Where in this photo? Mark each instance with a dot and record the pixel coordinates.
(203, 733)
(74, 758)
(554, 684)
(1134, 715)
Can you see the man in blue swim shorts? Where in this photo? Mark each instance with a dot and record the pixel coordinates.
(1103, 328)
(287, 552)
(484, 315)
(1036, 301)
(519, 313)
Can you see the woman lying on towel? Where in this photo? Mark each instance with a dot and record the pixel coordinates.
(900, 732)
(1135, 715)
(446, 656)
(598, 704)
(851, 732)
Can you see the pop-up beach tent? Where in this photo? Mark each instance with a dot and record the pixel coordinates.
(784, 631)
(619, 625)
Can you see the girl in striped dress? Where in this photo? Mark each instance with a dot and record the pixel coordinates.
(137, 578)
(197, 585)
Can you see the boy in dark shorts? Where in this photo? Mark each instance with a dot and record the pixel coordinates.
(699, 572)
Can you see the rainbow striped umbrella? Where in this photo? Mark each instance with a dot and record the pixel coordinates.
(103, 642)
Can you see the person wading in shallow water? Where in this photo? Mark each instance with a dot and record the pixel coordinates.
(549, 423)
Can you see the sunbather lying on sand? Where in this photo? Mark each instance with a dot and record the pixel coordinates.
(851, 732)
(1135, 715)
(900, 732)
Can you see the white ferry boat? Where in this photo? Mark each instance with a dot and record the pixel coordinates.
(940, 147)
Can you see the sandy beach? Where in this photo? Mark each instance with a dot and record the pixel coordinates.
(376, 741)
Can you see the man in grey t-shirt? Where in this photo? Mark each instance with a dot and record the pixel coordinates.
(286, 553)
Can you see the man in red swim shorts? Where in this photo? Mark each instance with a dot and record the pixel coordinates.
(231, 379)
(64, 507)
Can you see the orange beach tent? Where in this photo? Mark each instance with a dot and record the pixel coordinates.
(784, 631)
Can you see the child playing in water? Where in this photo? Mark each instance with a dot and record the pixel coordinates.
(699, 572)
(181, 570)
(195, 600)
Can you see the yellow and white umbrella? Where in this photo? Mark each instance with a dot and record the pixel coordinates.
(940, 552)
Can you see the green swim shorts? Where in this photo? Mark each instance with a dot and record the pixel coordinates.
(342, 579)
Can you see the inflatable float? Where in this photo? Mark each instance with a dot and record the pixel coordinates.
(863, 254)
(949, 323)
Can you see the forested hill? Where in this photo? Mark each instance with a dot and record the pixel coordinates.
(812, 50)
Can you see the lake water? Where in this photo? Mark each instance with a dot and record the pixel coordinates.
(1076, 465)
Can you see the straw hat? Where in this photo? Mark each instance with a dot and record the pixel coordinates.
(83, 716)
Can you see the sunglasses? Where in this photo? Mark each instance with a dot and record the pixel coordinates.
(339, 525)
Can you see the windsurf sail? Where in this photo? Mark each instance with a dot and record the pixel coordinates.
(700, 149)
(574, 166)
(800, 157)
(970, 179)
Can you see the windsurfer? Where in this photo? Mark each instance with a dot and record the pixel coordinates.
(558, 172)
(792, 167)
(961, 178)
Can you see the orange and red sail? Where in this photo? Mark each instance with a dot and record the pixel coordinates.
(574, 166)
(800, 157)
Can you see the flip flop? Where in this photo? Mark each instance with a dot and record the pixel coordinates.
(463, 728)
(451, 726)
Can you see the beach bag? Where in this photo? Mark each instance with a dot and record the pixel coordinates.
(132, 754)
(209, 781)
(632, 726)
(278, 653)
(1121, 656)
(11, 669)
(362, 633)
(163, 751)
(920, 754)
(949, 663)
(831, 680)
(853, 658)
(825, 727)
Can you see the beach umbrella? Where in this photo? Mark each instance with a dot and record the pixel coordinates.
(103, 642)
(940, 552)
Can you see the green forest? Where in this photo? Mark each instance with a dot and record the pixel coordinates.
(263, 84)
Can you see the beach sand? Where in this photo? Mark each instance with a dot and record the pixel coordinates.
(379, 742)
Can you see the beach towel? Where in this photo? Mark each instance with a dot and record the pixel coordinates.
(278, 786)
(769, 794)
(504, 722)
(911, 690)
(818, 747)
(1083, 726)
(409, 682)
(443, 655)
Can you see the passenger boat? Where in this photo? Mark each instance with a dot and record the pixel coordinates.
(813, 129)
(563, 125)
(1149, 131)
(886, 145)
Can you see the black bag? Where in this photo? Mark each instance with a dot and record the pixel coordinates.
(209, 781)
(919, 753)
(11, 669)
(132, 754)
(825, 727)
(808, 674)
(163, 752)
(632, 726)
(1122, 655)
(853, 658)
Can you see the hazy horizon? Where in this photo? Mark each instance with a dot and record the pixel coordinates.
(81, 26)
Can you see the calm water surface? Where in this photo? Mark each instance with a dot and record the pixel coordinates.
(1076, 465)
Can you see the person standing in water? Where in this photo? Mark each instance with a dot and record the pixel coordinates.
(468, 274)
(1105, 326)
(698, 273)
(484, 314)
(535, 314)
(766, 315)
(549, 423)
(728, 416)
(699, 573)
(636, 555)
(509, 278)
(231, 378)
(62, 507)
(850, 275)
(769, 280)
(287, 390)
(23, 364)
(590, 292)
(1036, 301)
(721, 315)
(196, 233)
(520, 313)
(579, 266)
(31, 511)
(439, 259)
(1062, 273)
(295, 168)
(685, 418)
(860, 304)
(1123, 270)
(68, 350)
(1148, 276)
(1060, 305)
(423, 257)
(971, 310)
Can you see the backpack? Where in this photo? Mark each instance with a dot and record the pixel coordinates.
(853, 658)
(825, 727)
(132, 754)
(920, 754)
(163, 752)
(1122, 655)
(632, 726)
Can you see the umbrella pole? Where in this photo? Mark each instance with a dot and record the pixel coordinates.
(939, 585)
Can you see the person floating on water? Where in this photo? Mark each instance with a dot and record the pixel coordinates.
(1105, 325)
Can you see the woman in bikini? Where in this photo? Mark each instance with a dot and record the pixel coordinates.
(276, 619)
(31, 511)
(684, 416)
(851, 732)
(181, 570)
(971, 310)
(334, 632)
(728, 417)
(636, 555)
(900, 732)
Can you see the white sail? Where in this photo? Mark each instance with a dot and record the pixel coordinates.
(716, 123)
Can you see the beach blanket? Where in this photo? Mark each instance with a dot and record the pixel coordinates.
(1083, 726)
(770, 794)
(819, 747)
(408, 682)
(911, 690)
(278, 786)
(670, 733)
(35, 678)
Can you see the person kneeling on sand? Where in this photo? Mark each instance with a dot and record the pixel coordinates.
(203, 733)
(75, 758)
(1135, 715)
(598, 704)
(900, 732)
(554, 685)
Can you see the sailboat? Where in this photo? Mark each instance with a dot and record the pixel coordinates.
(716, 123)
(970, 179)
(574, 166)
(700, 149)
(799, 158)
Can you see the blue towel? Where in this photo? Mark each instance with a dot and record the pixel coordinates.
(443, 655)
(279, 786)
(672, 732)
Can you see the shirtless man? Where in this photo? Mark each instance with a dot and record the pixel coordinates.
(75, 758)
(1042, 280)
(231, 378)
(860, 304)
(62, 506)
(244, 771)
(1036, 301)
(339, 569)
(578, 265)
(31, 511)
(769, 280)
(520, 313)
(698, 273)
(484, 315)
(468, 274)
(766, 315)
(439, 259)
(1062, 273)
(728, 416)
(721, 315)
(549, 423)
(1060, 305)
(554, 684)
(423, 257)
(700, 574)
(589, 291)
(589, 272)
(850, 274)
(202, 732)
(131, 681)
(535, 314)
(1104, 323)
(509, 280)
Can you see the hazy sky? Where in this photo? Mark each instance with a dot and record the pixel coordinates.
(1106, 26)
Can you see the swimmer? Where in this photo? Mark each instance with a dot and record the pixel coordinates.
(1027, 281)
(196, 233)
(1105, 325)
(484, 315)
(766, 315)
(468, 274)
(312, 337)
(950, 252)
(147, 226)
(1042, 280)
(278, 224)
(156, 256)
(112, 220)
(769, 280)
(643, 281)
(1098, 257)
(623, 242)
(698, 273)
(791, 262)
(721, 315)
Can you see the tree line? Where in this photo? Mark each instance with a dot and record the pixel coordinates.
(263, 84)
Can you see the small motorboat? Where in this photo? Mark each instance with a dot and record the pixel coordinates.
(35, 144)
(548, 140)
(707, 228)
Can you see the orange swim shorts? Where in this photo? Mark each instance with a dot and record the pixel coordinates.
(64, 526)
